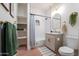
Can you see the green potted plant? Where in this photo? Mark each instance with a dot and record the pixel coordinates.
(73, 18)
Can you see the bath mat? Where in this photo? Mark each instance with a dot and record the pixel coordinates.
(46, 52)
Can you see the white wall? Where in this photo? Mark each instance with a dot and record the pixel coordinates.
(5, 16)
(65, 10)
(48, 25)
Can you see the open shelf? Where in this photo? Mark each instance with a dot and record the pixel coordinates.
(24, 37)
(23, 17)
(22, 20)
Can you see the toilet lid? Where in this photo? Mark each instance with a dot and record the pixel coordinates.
(65, 49)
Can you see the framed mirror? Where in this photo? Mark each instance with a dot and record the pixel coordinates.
(56, 22)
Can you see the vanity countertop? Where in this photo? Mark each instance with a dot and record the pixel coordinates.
(55, 33)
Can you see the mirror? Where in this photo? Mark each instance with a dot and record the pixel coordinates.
(56, 22)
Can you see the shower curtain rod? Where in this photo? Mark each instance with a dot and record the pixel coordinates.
(40, 15)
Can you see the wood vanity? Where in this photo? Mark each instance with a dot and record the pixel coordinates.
(54, 41)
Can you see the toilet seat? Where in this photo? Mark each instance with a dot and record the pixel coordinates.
(66, 51)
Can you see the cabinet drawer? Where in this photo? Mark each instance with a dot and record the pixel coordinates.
(50, 39)
(50, 42)
(58, 43)
(50, 36)
(50, 45)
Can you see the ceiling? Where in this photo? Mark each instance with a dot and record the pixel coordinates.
(41, 6)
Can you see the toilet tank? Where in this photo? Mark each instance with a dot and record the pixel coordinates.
(72, 41)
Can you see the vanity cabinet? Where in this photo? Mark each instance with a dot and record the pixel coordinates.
(54, 41)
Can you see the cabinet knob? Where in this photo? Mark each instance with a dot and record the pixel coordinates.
(58, 39)
(49, 40)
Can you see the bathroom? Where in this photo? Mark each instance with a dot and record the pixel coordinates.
(48, 19)
(42, 29)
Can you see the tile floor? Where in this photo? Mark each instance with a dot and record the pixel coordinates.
(22, 51)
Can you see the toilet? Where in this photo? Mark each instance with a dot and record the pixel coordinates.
(66, 51)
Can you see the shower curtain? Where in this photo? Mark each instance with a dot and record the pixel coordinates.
(37, 29)
(32, 31)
